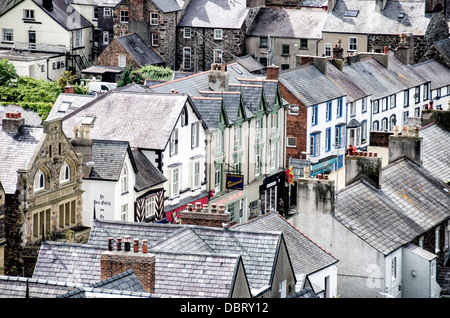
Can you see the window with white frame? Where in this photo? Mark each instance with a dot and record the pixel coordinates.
(394, 268)
(258, 128)
(64, 175)
(376, 106)
(258, 163)
(352, 44)
(237, 163)
(150, 206)
(78, 38)
(95, 13)
(339, 107)
(195, 132)
(314, 145)
(122, 61)
(196, 175)
(363, 131)
(339, 136)
(237, 136)
(67, 214)
(106, 12)
(154, 18)
(426, 90)
(173, 143)
(282, 289)
(274, 122)
(384, 124)
(28, 14)
(218, 56)
(41, 223)
(327, 49)
(405, 116)
(217, 175)
(105, 37)
(273, 155)
(218, 34)
(175, 183)
(219, 141)
(392, 101)
(187, 58)
(8, 35)
(406, 98)
(124, 212)
(417, 112)
(328, 111)
(314, 111)
(123, 16)
(436, 241)
(187, 33)
(155, 39)
(376, 125)
(417, 94)
(392, 122)
(39, 181)
(124, 179)
(364, 104)
(352, 109)
(293, 110)
(291, 142)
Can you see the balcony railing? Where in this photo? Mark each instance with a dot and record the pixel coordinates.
(41, 47)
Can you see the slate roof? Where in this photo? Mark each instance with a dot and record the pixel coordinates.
(23, 142)
(147, 174)
(62, 13)
(130, 116)
(67, 103)
(31, 117)
(141, 53)
(109, 157)
(443, 47)
(436, 151)
(288, 23)
(345, 83)
(167, 6)
(409, 203)
(231, 102)
(309, 84)
(420, 252)
(223, 14)
(369, 21)
(209, 108)
(306, 256)
(435, 72)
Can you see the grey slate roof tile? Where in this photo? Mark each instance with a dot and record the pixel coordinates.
(143, 54)
(434, 71)
(436, 151)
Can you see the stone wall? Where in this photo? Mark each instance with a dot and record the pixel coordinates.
(110, 56)
(203, 216)
(377, 43)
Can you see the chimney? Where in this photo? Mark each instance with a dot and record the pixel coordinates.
(69, 88)
(82, 143)
(353, 58)
(406, 144)
(405, 49)
(381, 58)
(48, 5)
(272, 72)
(321, 63)
(114, 262)
(365, 165)
(338, 51)
(379, 5)
(315, 194)
(216, 217)
(218, 77)
(12, 122)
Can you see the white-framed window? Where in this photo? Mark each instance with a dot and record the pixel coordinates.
(218, 34)
(237, 136)
(376, 125)
(187, 33)
(173, 143)
(123, 16)
(394, 268)
(405, 116)
(67, 214)
(78, 38)
(352, 44)
(364, 104)
(8, 35)
(154, 18)
(352, 109)
(314, 111)
(187, 58)
(406, 98)
(328, 111)
(124, 212)
(155, 39)
(196, 174)
(339, 136)
(122, 61)
(376, 106)
(273, 155)
(218, 56)
(150, 206)
(195, 134)
(364, 131)
(258, 164)
(384, 124)
(41, 223)
(327, 50)
(95, 13)
(217, 175)
(314, 150)
(105, 37)
(175, 183)
(291, 142)
(64, 175)
(339, 107)
(258, 128)
(39, 181)
(294, 110)
(219, 141)
(106, 12)
(274, 122)
(392, 101)
(436, 241)
(237, 162)
(124, 179)
(282, 289)
(28, 14)
(417, 94)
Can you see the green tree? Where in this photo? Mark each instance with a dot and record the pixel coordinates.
(156, 72)
(7, 72)
(129, 75)
(66, 77)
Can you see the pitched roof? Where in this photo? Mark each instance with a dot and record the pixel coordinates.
(24, 142)
(309, 84)
(436, 150)
(142, 54)
(288, 23)
(62, 13)
(109, 157)
(349, 86)
(371, 21)
(167, 6)
(131, 116)
(443, 47)
(435, 72)
(67, 103)
(409, 203)
(147, 174)
(214, 14)
(31, 117)
(306, 256)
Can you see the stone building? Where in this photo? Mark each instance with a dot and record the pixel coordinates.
(41, 177)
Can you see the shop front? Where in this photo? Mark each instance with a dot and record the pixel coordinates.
(272, 193)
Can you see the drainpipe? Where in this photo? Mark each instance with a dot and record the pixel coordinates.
(47, 70)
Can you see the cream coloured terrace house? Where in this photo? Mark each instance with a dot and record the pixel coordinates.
(51, 26)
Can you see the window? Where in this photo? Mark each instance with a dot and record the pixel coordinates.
(186, 58)
(394, 268)
(376, 125)
(187, 33)
(405, 116)
(217, 175)
(173, 145)
(124, 179)
(218, 54)
(364, 105)
(41, 223)
(392, 121)
(150, 206)
(273, 155)
(154, 18)
(263, 42)
(282, 289)
(196, 175)
(352, 109)
(392, 101)
(328, 113)
(39, 181)
(184, 117)
(258, 128)
(219, 141)
(95, 13)
(352, 44)
(293, 109)
(122, 61)
(314, 110)
(376, 106)
(175, 187)
(284, 66)
(106, 12)
(274, 122)
(339, 140)
(291, 142)
(339, 108)
(218, 34)
(328, 139)
(237, 136)
(436, 241)
(263, 61)
(304, 44)
(78, 38)
(124, 16)
(285, 49)
(124, 212)
(155, 39)
(105, 37)
(195, 134)
(417, 112)
(384, 124)
(28, 14)
(237, 162)
(8, 35)
(64, 175)
(314, 145)
(258, 160)
(67, 214)
(363, 131)
(327, 50)
(406, 98)
(426, 91)
(417, 94)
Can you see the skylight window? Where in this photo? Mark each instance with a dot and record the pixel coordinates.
(351, 13)
(64, 106)
(138, 50)
(401, 15)
(87, 120)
